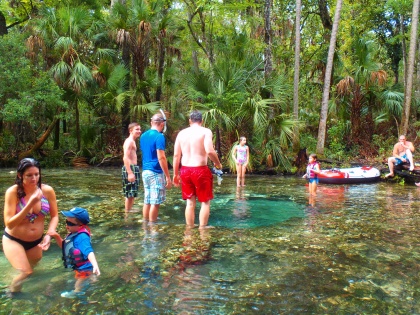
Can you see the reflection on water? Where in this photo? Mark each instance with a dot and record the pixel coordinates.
(349, 250)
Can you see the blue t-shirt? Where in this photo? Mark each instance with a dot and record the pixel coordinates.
(82, 242)
(151, 141)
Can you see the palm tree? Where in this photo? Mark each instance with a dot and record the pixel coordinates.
(218, 94)
(361, 91)
(65, 34)
(144, 32)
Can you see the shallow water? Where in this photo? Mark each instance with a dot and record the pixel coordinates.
(353, 250)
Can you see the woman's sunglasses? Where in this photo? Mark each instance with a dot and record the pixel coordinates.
(71, 223)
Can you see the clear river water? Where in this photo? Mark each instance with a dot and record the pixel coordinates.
(354, 249)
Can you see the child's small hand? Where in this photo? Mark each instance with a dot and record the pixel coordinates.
(46, 242)
(53, 234)
(96, 271)
(57, 238)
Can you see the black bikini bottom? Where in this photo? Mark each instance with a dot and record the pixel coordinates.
(26, 245)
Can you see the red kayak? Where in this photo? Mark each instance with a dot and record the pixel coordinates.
(353, 175)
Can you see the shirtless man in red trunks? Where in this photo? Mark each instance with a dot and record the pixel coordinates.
(193, 147)
(402, 153)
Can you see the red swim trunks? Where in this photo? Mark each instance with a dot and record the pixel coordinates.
(197, 181)
(82, 274)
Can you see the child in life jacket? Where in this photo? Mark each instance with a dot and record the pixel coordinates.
(77, 249)
(312, 172)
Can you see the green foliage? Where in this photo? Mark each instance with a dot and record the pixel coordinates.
(42, 99)
(127, 62)
(30, 99)
(308, 141)
(336, 147)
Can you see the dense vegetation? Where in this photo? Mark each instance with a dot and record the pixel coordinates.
(75, 73)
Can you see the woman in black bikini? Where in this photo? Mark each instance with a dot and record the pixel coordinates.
(26, 205)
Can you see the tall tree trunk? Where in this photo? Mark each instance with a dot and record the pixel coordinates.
(117, 1)
(38, 144)
(325, 18)
(125, 108)
(77, 118)
(356, 115)
(404, 51)
(327, 83)
(268, 67)
(408, 91)
(218, 143)
(3, 25)
(161, 62)
(195, 61)
(417, 81)
(296, 75)
(204, 37)
(57, 135)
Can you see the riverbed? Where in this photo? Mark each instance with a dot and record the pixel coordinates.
(353, 249)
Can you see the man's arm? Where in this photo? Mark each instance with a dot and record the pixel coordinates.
(208, 146)
(127, 161)
(410, 146)
(395, 151)
(164, 165)
(176, 160)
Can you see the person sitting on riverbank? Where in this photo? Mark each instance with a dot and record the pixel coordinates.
(402, 153)
(77, 249)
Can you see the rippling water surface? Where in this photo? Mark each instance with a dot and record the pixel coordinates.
(351, 250)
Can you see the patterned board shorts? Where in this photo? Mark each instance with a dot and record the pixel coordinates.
(130, 189)
(154, 187)
(400, 162)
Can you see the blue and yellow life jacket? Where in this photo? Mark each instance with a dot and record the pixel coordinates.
(73, 257)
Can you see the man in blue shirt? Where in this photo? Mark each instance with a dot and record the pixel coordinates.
(155, 175)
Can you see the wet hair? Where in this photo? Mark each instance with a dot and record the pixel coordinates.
(313, 155)
(132, 125)
(23, 165)
(196, 116)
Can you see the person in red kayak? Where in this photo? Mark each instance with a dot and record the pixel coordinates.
(312, 172)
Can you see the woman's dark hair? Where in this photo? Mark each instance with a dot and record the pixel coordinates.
(23, 165)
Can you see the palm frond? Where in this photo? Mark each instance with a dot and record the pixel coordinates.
(105, 53)
(117, 77)
(79, 77)
(393, 102)
(149, 108)
(215, 116)
(60, 71)
(281, 89)
(65, 43)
